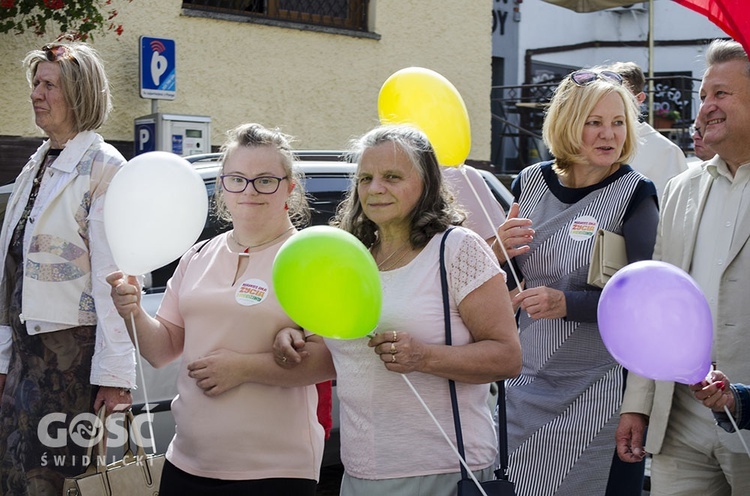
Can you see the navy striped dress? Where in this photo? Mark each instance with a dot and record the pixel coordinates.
(563, 408)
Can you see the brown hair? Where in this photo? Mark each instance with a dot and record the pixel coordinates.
(434, 212)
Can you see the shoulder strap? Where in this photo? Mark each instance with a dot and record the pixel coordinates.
(502, 472)
(449, 342)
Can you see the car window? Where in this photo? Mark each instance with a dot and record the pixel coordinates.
(324, 193)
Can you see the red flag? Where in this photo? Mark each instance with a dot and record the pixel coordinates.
(730, 15)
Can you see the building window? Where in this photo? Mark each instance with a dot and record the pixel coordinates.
(344, 14)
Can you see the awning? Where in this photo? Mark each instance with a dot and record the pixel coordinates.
(732, 16)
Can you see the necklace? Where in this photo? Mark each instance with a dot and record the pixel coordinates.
(246, 248)
(402, 249)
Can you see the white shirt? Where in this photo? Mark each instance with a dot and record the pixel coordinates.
(657, 158)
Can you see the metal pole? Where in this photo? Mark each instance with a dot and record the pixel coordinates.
(651, 62)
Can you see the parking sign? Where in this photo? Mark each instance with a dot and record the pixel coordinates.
(145, 136)
(158, 71)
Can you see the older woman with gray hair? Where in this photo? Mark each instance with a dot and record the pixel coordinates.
(399, 207)
(52, 279)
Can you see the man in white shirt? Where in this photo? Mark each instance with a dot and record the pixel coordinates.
(657, 158)
(703, 229)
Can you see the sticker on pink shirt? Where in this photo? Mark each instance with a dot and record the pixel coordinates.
(251, 292)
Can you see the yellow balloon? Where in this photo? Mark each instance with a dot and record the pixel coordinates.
(425, 99)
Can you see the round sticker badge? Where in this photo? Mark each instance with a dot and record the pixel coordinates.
(583, 228)
(251, 292)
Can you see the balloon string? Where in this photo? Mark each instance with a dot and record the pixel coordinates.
(143, 381)
(427, 409)
(737, 429)
(462, 168)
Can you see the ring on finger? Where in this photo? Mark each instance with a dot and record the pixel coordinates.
(393, 358)
(393, 350)
(395, 336)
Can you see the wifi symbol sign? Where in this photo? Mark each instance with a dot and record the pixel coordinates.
(157, 46)
(157, 68)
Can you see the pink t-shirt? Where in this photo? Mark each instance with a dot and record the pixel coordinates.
(253, 431)
(385, 431)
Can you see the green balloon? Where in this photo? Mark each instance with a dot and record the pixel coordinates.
(328, 283)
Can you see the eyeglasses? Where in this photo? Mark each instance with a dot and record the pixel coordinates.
(266, 185)
(55, 52)
(585, 77)
(695, 131)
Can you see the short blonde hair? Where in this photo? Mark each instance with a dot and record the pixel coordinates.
(84, 83)
(566, 116)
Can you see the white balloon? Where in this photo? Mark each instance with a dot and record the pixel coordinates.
(154, 211)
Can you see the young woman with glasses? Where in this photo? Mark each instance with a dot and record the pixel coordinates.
(54, 255)
(244, 425)
(563, 409)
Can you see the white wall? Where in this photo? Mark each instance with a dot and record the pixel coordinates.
(320, 87)
(547, 25)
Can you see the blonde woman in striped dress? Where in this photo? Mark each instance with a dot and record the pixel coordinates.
(563, 409)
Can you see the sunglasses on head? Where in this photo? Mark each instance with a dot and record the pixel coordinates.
(585, 77)
(55, 52)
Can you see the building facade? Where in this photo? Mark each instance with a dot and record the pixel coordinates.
(542, 42)
(315, 76)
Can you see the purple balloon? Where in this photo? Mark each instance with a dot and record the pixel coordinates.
(656, 322)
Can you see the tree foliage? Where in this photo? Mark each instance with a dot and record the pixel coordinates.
(76, 19)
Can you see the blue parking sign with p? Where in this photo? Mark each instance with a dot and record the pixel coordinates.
(158, 71)
(145, 136)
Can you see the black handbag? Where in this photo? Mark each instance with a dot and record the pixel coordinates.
(500, 486)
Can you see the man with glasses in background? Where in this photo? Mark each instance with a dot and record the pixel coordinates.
(701, 150)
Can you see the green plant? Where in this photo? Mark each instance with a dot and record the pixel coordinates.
(670, 115)
(76, 19)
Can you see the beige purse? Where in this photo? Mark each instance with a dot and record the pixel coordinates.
(607, 257)
(136, 474)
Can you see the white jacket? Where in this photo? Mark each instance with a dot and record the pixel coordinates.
(67, 257)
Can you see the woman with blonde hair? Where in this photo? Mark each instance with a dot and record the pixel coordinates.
(563, 408)
(55, 256)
